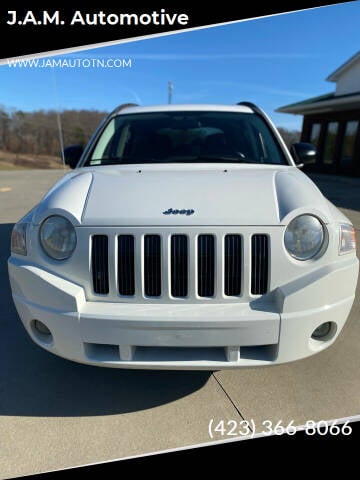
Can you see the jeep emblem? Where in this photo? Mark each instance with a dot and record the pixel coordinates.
(184, 211)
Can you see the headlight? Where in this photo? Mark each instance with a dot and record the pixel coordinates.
(57, 237)
(304, 237)
(347, 239)
(18, 239)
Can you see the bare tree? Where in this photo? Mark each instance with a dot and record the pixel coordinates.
(289, 136)
(36, 133)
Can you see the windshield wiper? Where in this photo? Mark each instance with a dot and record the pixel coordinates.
(121, 160)
(127, 160)
(223, 158)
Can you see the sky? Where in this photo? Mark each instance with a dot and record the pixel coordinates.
(271, 61)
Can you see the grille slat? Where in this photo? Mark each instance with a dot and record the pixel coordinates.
(206, 266)
(179, 266)
(100, 263)
(126, 265)
(233, 267)
(152, 265)
(260, 264)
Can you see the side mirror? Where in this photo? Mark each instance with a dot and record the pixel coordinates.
(72, 155)
(303, 153)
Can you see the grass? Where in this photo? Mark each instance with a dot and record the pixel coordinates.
(23, 161)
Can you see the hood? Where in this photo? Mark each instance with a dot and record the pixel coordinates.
(198, 195)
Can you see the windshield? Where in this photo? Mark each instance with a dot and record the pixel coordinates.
(186, 137)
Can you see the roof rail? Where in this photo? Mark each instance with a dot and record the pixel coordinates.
(122, 107)
(252, 106)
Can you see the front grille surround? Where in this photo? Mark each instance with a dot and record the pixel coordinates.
(241, 291)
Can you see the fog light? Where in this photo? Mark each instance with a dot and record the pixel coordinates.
(41, 332)
(41, 327)
(322, 331)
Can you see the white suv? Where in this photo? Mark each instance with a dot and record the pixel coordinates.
(186, 237)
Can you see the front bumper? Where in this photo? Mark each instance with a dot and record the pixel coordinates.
(274, 329)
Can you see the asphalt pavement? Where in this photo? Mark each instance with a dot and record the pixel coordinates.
(55, 413)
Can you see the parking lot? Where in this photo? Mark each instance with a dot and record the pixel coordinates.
(56, 414)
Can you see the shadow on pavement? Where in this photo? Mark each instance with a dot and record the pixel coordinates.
(34, 382)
